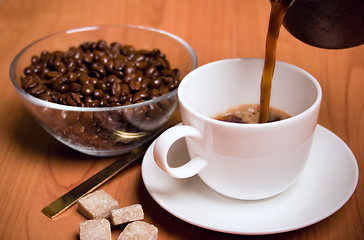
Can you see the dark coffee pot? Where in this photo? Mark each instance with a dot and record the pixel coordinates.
(330, 24)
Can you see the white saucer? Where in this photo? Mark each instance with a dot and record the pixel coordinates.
(326, 184)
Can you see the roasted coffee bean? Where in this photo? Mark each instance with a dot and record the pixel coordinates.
(176, 73)
(78, 128)
(145, 82)
(55, 96)
(141, 65)
(140, 56)
(101, 57)
(60, 66)
(115, 47)
(163, 90)
(156, 52)
(116, 89)
(113, 99)
(106, 96)
(100, 117)
(45, 56)
(98, 70)
(29, 82)
(154, 93)
(128, 50)
(88, 57)
(141, 95)
(75, 87)
(71, 76)
(150, 70)
(140, 113)
(71, 116)
(166, 104)
(56, 83)
(98, 94)
(70, 65)
(129, 69)
(104, 103)
(168, 80)
(95, 103)
(74, 99)
(172, 86)
(120, 73)
(34, 59)
(167, 72)
(87, 119)
(87, 45)
(62, 99)
(119, 63)
(126, 103)
(93, 80)
(88, 101)
(124, 89)
(156, 82)
(45, 97)
(70, 100)
(84, 78)
(63, 88)
(28, 71)
(81, 67)
(130, 77)
(38, 89)
(51, 74)
(69, 54)
(135, 85)
(115, 104)
(87, 89)
(112, 78)
(37, 68)
(101, 85)
(155, 111)
(109, 66)
(77, 54)
(161, 63)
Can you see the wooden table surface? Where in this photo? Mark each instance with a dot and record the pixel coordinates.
(35, 169)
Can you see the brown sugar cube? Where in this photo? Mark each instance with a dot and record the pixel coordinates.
(127, 214)
(97, 205)
(139, 230)
(98, 229)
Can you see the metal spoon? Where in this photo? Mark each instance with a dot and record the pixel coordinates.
(67, 200)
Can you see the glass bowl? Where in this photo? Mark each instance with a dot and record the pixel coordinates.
(113, 129)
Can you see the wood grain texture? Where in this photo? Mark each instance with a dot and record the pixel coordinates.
(35, 169)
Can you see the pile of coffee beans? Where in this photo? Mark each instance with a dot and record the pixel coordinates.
(96, 74)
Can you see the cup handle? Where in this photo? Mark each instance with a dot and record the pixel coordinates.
(163, 145)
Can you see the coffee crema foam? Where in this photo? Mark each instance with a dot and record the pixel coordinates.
(249, 113)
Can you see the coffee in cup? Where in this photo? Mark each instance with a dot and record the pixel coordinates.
(249, 113)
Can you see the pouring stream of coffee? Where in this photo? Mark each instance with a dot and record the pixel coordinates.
(278, 11)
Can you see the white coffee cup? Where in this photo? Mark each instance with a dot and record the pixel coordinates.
(243, 161)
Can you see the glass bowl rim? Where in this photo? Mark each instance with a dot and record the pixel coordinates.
(53, 105)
